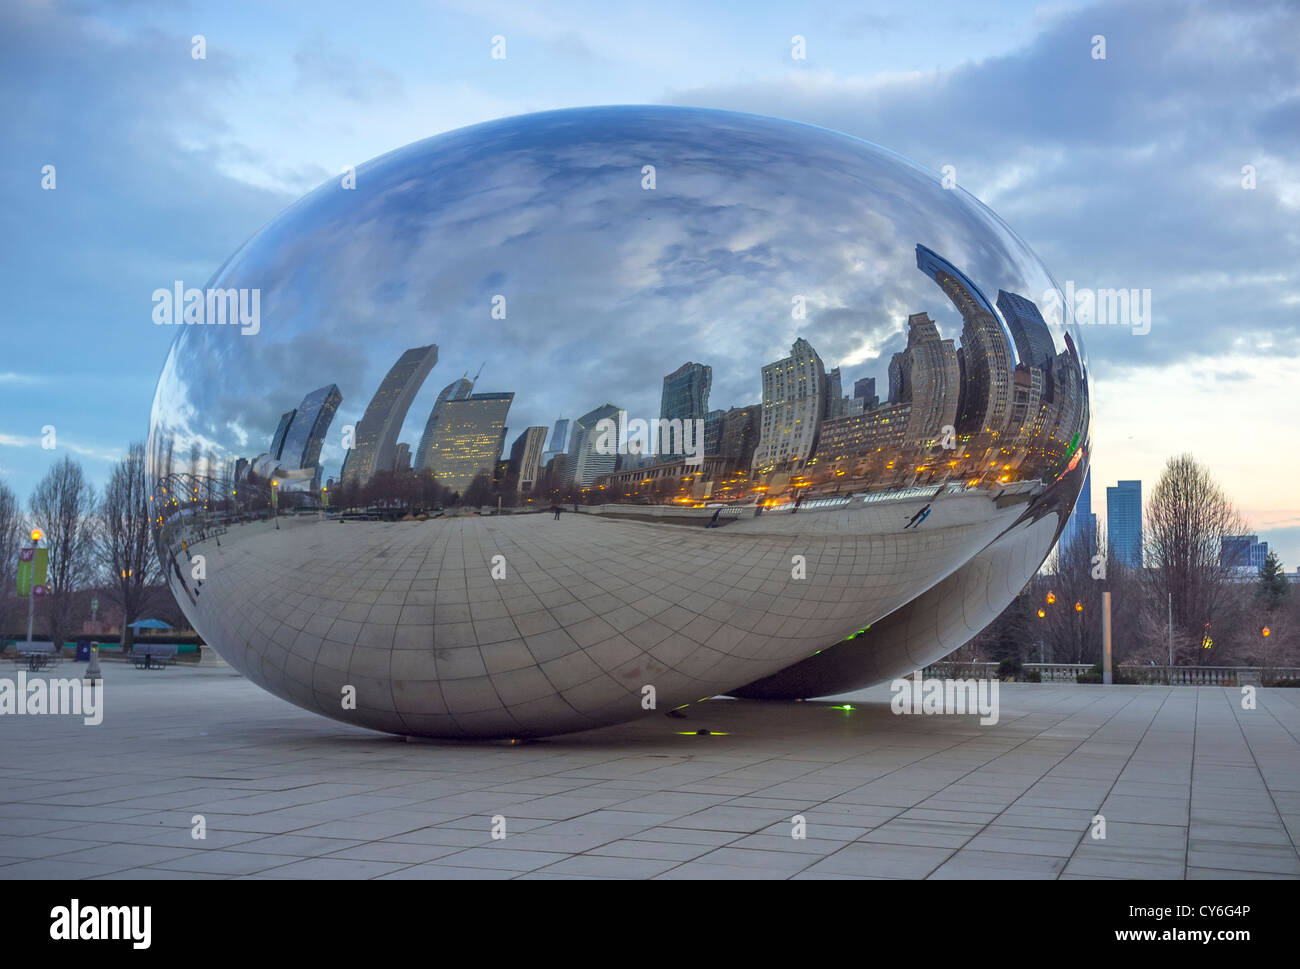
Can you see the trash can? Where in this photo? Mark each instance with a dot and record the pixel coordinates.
(83, 652)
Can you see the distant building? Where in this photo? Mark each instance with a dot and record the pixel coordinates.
(376, 437)
(1124, 522)
(468, 438)
(1082, 523)
(865, 390)
(793, 391)
(1243, 554)
(1258, 555)
(1234, 550)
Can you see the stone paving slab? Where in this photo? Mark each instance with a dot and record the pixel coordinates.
(1190, 786)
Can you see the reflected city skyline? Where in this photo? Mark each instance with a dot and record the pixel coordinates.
(997, 403)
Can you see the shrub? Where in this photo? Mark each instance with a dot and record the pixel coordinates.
(1117, 676)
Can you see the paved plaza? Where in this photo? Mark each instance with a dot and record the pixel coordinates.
(1190, 785)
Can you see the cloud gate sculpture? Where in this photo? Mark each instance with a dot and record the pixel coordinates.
(578, 417)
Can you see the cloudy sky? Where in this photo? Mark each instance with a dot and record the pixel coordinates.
(1122, 172)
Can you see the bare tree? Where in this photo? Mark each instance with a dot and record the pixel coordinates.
(11, 528)
(1187, 518)
(63, 507)
(124, 542)
(1071, 623)
(478, 492)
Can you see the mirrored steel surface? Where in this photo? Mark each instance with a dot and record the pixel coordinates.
(576, 417)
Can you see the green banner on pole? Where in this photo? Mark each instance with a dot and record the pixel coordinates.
(41, 565)
(24, 577)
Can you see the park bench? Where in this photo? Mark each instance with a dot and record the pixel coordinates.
(37, 656)
(152, 656)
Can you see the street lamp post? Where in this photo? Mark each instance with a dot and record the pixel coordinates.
(31, 605)
(37, 535)
(1105, 638)
(1042, 656)
(1050, 599)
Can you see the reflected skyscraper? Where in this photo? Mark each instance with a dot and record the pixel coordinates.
(686, 392)
(1034, 345)
(560, 436)
(793, 395)
(865, 390)
(585, 462)
(835, 404)
(733, 434)
(458, 389)
(376, 436)
(277, 441)
(713, 432)
(928, 378)
(985, 350)
(526, 458)
(862, 444)
(741, 427)
(559, 443)
(311, 422)
(402, 458)
(468, 438)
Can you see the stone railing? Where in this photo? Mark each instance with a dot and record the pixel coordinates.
(1050, 672)
(1146, 675)
(1059, 672)
(1211, 675)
